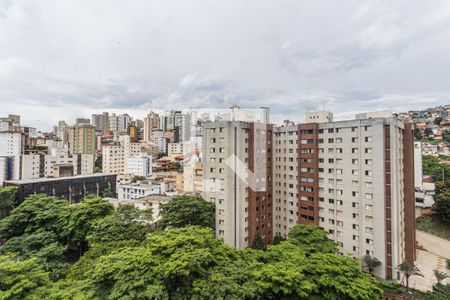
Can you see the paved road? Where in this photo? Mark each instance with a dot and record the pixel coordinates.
(436, 251)
(433, 244)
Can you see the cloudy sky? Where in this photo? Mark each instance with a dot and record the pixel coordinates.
(67, 59)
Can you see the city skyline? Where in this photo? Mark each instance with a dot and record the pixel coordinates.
(62, 61)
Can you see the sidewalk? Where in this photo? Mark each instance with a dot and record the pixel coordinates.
(436, 251)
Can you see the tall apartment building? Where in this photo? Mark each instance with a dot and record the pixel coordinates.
(82, 139)
(123, 122)
(151, 123)
(101, 122)
(11, 143)
(115, 156)
(113, 159)
(354, 179)
(61, 132)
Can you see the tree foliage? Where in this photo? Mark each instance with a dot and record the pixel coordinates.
(371, 263)
(408, 269)
(126, 223)
(278, 239)
(311, 239)
(433, 166)
(183, 211)
(37, 213)
(258, 242)
(125, 260)
(85, 214)
(7, 199)
(189, 263)
(442, 200)
(22, 280)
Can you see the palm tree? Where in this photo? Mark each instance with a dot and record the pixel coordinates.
(440, 276)
(371, 263)
(408, 270)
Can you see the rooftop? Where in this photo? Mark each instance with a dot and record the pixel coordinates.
(39, 180)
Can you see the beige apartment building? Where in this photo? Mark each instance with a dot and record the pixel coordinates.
(353, 178)
(82, 139)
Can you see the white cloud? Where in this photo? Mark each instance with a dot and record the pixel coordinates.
(63, 59)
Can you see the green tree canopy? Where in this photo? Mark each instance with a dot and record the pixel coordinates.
(182, 211)
(37, 212)
(85, 214)
(311, 239)
(7, 199)
(258, 242)
(408, 269)
(442, 200)
(126, 223)
(433, 166)
(189, 263)
(22, 280)
(371, 263)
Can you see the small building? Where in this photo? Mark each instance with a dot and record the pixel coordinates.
(152, 202)
(137, 190)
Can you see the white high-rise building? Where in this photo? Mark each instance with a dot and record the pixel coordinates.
(11, 143)
(140, 166)
(31, 166)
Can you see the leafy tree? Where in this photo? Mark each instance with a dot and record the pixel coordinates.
(371, 263)
(442, 200)
(182, 211)
(84, 215)
(21, 280)
(278, 239)
(440, 276)
(107, 193)
(311, 239)
(7, 199)
(87, 262)
(127, 223)
(418, 133)
(428, 131)
(258, 242)
(37, 212)
(343, 282)
(189, 263)
(433, 166)
(42, 245)
(442, 205)
(129, 212)
(437, 120)
(138, 178)
(408, 269)
(98, 165)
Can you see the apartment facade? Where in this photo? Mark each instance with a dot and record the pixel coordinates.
(140, 166)
(82, 139)
(152, 122)
(116, 155)
(354, 179)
